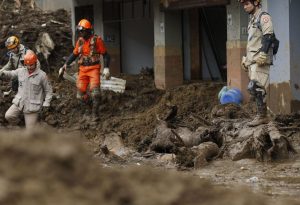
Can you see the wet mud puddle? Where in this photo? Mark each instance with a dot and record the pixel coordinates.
(276, 179)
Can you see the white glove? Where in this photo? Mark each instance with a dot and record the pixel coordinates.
(61, 72)
(106, 73)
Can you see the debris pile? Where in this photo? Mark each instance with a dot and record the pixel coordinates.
(223, 138)
(32, 26)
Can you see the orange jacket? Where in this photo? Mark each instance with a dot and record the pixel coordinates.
(89, 51)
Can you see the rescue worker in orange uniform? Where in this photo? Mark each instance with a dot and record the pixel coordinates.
(88, 49)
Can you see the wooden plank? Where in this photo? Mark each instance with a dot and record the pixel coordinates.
(115, 84)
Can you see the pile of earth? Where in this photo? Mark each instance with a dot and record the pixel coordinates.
(29, 23)
(135, 112)
(47, 168)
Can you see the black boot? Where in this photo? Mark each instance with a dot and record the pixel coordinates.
(95, 110)
(84, 111)
(261, 117)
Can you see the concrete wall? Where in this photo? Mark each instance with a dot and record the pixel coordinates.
(280, 94)
(280, 71)
(54, 4)
(137, 38)
(295, 53)
(237, 21)
(168, 64)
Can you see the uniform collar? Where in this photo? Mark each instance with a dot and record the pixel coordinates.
(256, 14)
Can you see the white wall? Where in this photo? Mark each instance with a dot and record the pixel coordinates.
(280, 71)
(137, 39)
(295, 47)
(54, 4)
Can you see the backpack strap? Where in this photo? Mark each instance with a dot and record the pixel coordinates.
(93, 45)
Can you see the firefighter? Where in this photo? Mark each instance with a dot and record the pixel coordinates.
(34, 92)
(16, 52)
(259, 56)
(88, 49)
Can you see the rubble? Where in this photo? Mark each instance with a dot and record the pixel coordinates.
(30, 24)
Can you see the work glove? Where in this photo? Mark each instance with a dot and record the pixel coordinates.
(61, 72)
(262, 59)
(244, 65)
(106, 74)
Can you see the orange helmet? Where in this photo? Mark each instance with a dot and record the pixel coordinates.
(12, 42)
(84, 24)
(30, 58)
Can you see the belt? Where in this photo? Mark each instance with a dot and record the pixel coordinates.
(90, 63)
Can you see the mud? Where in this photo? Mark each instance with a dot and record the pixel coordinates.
(60, 166)
(44, 168)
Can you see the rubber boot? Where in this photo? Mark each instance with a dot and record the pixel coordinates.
(95, 110)
(84, 110)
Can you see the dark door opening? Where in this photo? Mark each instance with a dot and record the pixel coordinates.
(84, 12)
(204, 43)
(213, 25)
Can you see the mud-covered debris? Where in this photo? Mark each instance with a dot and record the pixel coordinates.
(205, 152)
(115, 144)
(229, 111)
(264, 142)
(166, 140)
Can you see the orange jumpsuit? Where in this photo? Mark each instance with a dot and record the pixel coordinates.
(89, 52)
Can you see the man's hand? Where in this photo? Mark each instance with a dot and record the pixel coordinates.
(262, 59)
(61, 72)
(106, 73)
(243, 64)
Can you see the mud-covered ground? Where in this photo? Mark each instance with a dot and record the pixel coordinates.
(48, 168)
(51, 167)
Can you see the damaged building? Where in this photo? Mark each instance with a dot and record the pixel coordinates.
(192, 40)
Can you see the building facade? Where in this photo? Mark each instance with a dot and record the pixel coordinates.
(184, 40)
